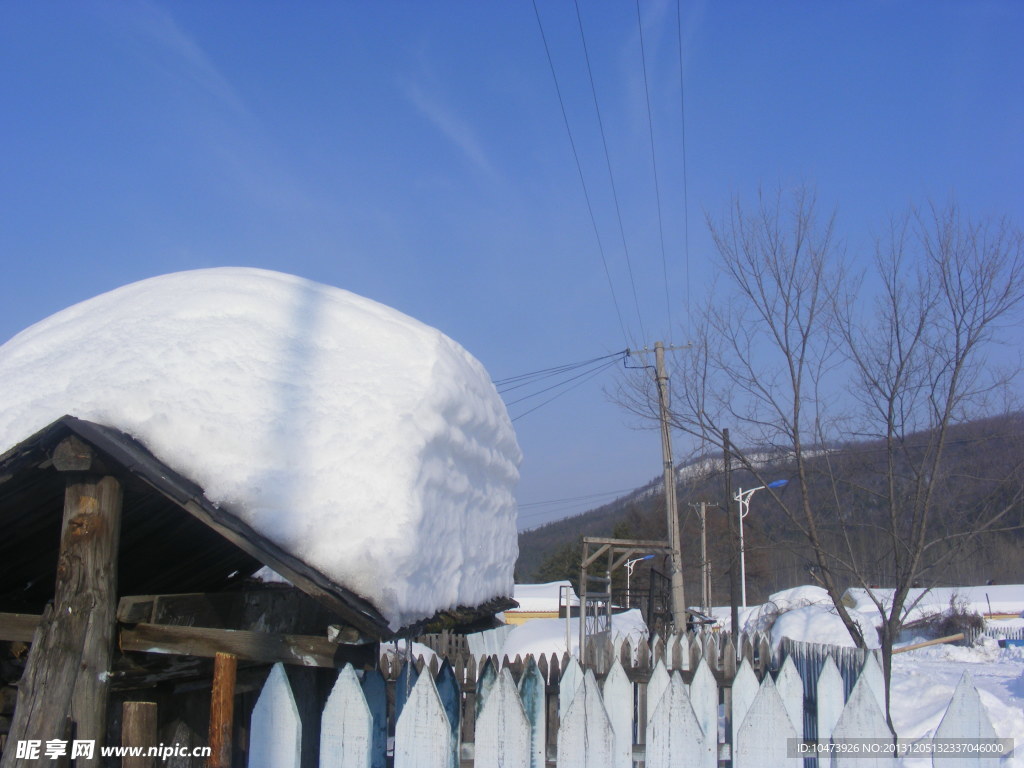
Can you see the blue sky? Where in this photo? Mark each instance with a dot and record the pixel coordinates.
(415, 153)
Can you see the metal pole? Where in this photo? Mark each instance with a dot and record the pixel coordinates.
(743, 553)
(671, 510)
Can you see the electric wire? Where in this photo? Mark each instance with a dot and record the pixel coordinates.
(682, 113)
(562, 383)
(611, 175)
(580, 379)
(579, 170)
(654, 167)
(504, 384)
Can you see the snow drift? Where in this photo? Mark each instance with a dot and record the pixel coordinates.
(367, 444)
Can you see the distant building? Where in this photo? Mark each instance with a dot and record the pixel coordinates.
(542, 601)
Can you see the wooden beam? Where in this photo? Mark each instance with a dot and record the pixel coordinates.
(300, 650)
(68, 668)
(18, 627)
(73, 454)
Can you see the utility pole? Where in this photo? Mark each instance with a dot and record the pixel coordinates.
(671, 510)
(705, 564)
(734, 574)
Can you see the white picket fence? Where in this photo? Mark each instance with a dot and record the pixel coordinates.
(598, 726)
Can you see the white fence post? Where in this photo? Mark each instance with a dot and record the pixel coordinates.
(767, 715)
(531, 691)
(423, 737)
(744, 690)
(572, 679)
(585, 738)
(862, 718)
(275, 727)
(704, 699)
(830, 697)
(503, 730)
(791, 690)
(618, 703)
(673, 730)
(346, 727)
(966, 718)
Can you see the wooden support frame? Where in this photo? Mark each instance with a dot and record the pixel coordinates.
(67, 676)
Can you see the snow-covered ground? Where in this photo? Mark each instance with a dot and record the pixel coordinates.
(365, 443)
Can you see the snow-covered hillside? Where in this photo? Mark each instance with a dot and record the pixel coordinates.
(369, 445)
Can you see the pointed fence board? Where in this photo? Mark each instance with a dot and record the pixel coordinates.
(862, 718)
(830, 700)
(346, 727)
(744, 691)
(275, 739)
(767, 715)
(704, 698)
(872, 671)
(503, 730)
(656, 688)
(791, 690)
(585, 737)
(484, 683)
(451, 699)
(572, 679)
(966, 718)
(376, 695)
(618, 703)
(407, 679)
(423, 734)
(531, 691)
(673, 730)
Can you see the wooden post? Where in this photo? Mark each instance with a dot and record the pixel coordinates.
(139, 729)
(222, 710)
(68, 667)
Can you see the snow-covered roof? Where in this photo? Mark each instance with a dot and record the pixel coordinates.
(541, 598)
(363, 442)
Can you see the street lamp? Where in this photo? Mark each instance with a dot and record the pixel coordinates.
(743, 497)
(630, 565)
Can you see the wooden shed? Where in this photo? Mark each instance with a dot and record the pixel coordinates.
(121, 582)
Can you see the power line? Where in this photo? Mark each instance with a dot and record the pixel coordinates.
(556, 385)
(603, 368)
(579, 170)
(611, 175)
(504, 385)
(654, 166)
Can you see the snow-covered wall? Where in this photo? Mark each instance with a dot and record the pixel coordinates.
(364, 442)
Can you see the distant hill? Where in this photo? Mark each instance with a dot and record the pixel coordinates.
(777, 558)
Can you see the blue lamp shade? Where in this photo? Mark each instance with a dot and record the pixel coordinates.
(777, 483)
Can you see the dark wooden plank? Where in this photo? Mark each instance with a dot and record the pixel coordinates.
(18, 627)
(300, 650)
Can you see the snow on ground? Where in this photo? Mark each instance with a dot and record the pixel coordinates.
(369, 445)
(921, 603)
(923, 682)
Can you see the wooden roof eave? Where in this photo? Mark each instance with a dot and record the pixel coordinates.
(136, 459)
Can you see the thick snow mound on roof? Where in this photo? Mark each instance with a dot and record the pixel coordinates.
(369, 445)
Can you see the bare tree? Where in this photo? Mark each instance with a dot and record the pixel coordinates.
(793, 355)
